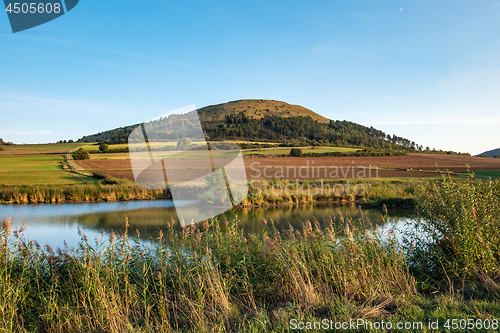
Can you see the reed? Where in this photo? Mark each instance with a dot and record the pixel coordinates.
(106, 190)
(199, 278)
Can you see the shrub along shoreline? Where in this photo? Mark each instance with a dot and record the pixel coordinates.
(91, 192)
(369, 192)
(212, 277)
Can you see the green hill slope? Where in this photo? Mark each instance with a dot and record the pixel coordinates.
(492, 153)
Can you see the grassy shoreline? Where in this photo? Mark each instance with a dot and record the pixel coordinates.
(376, 192)
(91, 192)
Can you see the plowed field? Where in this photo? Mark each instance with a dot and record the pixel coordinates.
(412, 165)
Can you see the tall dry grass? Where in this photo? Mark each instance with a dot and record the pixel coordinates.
(204, 278)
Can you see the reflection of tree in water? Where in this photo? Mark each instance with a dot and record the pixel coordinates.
(150, 220)
(147, 220)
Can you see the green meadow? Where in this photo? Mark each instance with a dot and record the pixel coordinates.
(49, 148)
(36, 169)
(485, 174)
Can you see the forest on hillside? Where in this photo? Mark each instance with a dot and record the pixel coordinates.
(305, 130)
(288, 131)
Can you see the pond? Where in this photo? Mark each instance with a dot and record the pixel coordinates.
(55, 224)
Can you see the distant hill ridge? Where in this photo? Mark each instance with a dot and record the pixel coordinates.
(492, 153)
(272, 121)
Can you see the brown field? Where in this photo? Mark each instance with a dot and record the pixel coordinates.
(421, 165)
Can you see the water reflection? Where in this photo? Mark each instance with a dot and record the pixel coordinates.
(55, 224)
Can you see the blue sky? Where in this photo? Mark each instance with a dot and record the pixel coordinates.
(425, 70)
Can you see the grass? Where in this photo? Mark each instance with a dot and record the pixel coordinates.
(485, 174)
(257, 109)
(286, 151)
(108, 189)
(212, 277)
(35, 169)
(113, 156)
(50, 148)
(397, 192)
(246, 152)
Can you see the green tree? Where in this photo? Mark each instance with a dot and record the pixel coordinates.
(296, 152)
(81, 154)
(184, 143)
(103, 147)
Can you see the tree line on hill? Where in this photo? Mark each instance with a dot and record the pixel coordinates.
(288, 131)
(305, 131)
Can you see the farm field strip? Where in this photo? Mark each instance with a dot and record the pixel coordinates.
(41, 164)
(58, 148)
(389, 166)
(485, 173)
(36, 169)
(305, 150)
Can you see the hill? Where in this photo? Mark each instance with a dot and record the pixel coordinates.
(272, 121)
(256, 109)
(492, 153)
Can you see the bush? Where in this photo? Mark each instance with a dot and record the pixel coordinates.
(184, 144)
(103, 147)
(81, 154)
(295, 152)
(2, 148)
(97, 175)
(460, 231)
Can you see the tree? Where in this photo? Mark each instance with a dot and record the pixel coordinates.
(184, 143)
(1, 142)
(81, 154)
(296, 152)
(103, 147)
